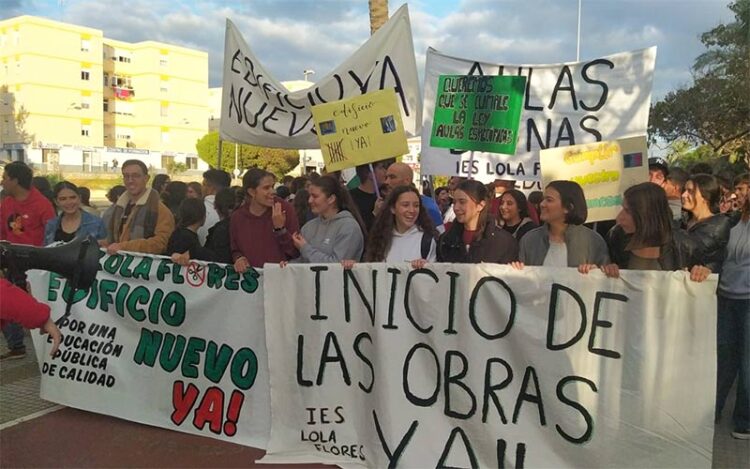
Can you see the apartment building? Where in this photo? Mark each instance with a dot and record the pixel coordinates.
(73, 99)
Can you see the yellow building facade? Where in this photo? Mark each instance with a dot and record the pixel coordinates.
(63, 85)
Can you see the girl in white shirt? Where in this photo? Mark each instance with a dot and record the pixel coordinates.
(402, 232)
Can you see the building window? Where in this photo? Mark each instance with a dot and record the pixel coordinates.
(85, 75)
(106, 79)
(191, 162)
(106, 105)
(164, 110)
(16, 37)
(123, 136)
(164, 88)
(163, 62)
(85, 129)
(85, 103)
(85, 45)
(122, 58)
(165, 137)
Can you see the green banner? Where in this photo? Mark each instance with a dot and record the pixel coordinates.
(478, 113)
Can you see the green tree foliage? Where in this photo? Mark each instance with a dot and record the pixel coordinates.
(713, 113)
(278, 161)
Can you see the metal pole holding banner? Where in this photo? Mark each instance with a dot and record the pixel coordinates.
(374, 181)
(218, 158)
(578, 40)
(471, 164)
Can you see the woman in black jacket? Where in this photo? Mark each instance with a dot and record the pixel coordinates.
(706, 227)
(474, 237)
(184, 243)
(645, 239)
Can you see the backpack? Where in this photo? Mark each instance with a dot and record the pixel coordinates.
(426, 244)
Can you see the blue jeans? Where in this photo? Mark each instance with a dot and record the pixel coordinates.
(733, 358)
(13, 333)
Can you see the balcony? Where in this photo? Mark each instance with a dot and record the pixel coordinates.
(123, 91)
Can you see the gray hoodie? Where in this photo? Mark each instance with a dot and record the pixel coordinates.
(332, 240)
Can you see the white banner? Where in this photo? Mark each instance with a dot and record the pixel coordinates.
(155, 343)
(485, 366)
(258, 109)
(606, 98)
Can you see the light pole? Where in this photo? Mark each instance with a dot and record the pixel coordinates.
(307, 72)
(236, 171)
(578, 39)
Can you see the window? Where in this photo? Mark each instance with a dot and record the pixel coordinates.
(164, 110)
(85, 45)
(191, 162)
(85, 75)
(106, 79)
(164, 88)
(164, 137)
(85, 129)
(121, 135)
(85, 103)
(106, 105)
(124, 59)
(163, 62)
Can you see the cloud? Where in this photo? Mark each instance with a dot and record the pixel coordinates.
(289, 36)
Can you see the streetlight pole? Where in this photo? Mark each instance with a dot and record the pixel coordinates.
(578, 40)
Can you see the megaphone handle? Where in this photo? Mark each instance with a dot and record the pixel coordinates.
(73, 284)
(68, 306)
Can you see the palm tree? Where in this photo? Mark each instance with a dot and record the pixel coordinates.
(378, 14)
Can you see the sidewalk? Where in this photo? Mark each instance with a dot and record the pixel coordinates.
(67, 437)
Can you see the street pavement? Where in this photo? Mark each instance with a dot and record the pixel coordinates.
(37, 433)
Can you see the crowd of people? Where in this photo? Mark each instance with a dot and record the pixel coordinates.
(678, 220)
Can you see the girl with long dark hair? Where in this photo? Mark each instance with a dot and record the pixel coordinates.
(474, 237)
(337, 232)
(706, 226)
(645, 238)
(184, 243)
(514, 214)
(403, 231)
(261, 229)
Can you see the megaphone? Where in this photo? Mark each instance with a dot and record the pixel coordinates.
(77, 261)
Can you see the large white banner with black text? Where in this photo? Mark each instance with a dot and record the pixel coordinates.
(606, 98)
(257, 109)
(486, 366)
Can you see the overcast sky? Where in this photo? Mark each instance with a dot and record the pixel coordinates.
(289, 36)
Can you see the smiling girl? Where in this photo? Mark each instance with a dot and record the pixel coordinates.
(72, 220)
(474, 237)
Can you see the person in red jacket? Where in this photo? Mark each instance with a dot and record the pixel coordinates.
(21, 308)
(24, 212)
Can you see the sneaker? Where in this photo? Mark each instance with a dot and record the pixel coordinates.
(741, 434)
(16, 354)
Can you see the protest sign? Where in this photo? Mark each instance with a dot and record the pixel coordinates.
(605, 98)
(156, 343)
(486, 366)
(360, 130)
(604, 170)
(478, 113)
(257, 109)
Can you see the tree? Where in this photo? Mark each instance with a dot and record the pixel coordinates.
(278, 161)
(714, 111)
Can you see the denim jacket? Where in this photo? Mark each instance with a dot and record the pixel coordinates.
(90, 225)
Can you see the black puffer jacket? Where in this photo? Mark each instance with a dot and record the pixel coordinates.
(496, 246)
(681, 253)
(712, 235)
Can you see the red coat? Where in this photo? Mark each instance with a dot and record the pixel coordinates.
(16, 305)
(254, 237)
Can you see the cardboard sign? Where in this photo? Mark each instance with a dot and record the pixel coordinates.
(478, 113)
(360, 130)
(604, 170)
